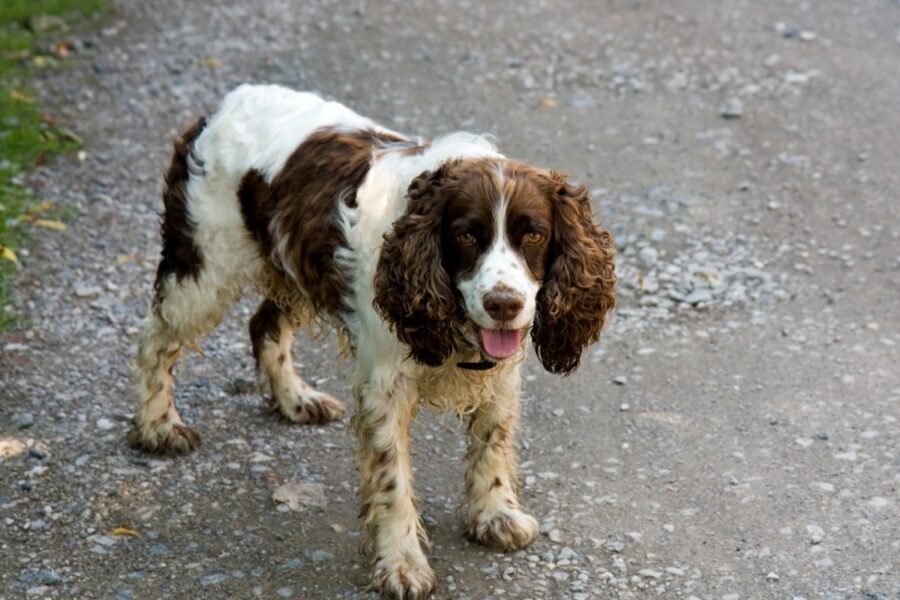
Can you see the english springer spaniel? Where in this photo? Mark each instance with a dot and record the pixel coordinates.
(432, 261)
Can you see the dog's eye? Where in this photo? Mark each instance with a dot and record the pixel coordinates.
(465, 238)
(533, 237)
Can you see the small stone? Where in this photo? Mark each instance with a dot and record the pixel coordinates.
(698, 296)
(87, 291)
(649, 255)
(668, 528)
(555, 536)
(624, 407)
(560, 575)
(25, 420)
(48, 577)
(733, 109)
(879, 502)
(822, 436)
(568, 554)
(772, 576)
(105, 424)
(159, 550)
(816, 534)
(37, 453)
(620, 380)
(213, 579)
(241, 386)
(284, 592)
(650, 573)
(321, 556)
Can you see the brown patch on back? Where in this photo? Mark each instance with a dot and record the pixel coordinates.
(297, 213)
(179, 253)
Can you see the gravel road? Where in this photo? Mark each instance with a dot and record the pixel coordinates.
(734, 436)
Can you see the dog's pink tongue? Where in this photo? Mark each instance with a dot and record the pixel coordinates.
(501, 343)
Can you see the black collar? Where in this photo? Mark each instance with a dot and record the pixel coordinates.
(482, 365)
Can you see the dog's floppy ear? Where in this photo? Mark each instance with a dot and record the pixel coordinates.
(579, 288)
(413, 291)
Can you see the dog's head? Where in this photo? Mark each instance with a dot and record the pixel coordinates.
(489, 249)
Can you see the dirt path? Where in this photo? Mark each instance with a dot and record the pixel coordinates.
(734, 436)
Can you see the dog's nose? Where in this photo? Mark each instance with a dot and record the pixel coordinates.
(503, 305)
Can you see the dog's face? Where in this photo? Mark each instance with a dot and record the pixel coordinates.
(496, 230)
(488, 250)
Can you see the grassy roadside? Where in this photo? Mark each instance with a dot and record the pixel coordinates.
(33, 36)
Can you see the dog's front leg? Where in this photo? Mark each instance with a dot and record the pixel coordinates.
(494, 513)
(394, 530)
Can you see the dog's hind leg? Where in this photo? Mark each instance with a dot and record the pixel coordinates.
(272, 332)
(184, 311)
(197, 280)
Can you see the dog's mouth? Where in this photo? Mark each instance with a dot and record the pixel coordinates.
(500, 343)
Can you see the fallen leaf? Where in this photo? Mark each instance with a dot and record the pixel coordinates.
(299, 495)
(50, 224)
(70, 135)
(20, 97)
(8, 254)
(211, 61)
(124, 531)
(124, 259)
(62, 49)
(547, 102)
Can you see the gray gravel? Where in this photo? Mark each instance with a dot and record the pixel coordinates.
(734, 436)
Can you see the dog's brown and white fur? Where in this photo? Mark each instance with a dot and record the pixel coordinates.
(427, 258)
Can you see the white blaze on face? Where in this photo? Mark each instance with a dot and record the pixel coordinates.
(500, 269)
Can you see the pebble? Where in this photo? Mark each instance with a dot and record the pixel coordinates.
(213, 579)
(816, 534)
(105, 424)
(321, 556)
(87, 291)
(284, 592)
(568, 554)
(620, 380)
(698, 296)
(733, 109)
(25, 420)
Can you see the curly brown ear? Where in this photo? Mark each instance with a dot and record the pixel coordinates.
(579, 288)
(413, 291)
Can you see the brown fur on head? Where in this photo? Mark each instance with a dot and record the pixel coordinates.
(413, 291)
(580, 285)
(439, 274)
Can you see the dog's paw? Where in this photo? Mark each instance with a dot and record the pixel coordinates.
(403, 577)
(312, 407)
(166, 438)
(507, 528)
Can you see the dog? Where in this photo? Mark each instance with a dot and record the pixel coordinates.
(433, 261)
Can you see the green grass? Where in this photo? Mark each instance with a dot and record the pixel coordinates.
(30, 34)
